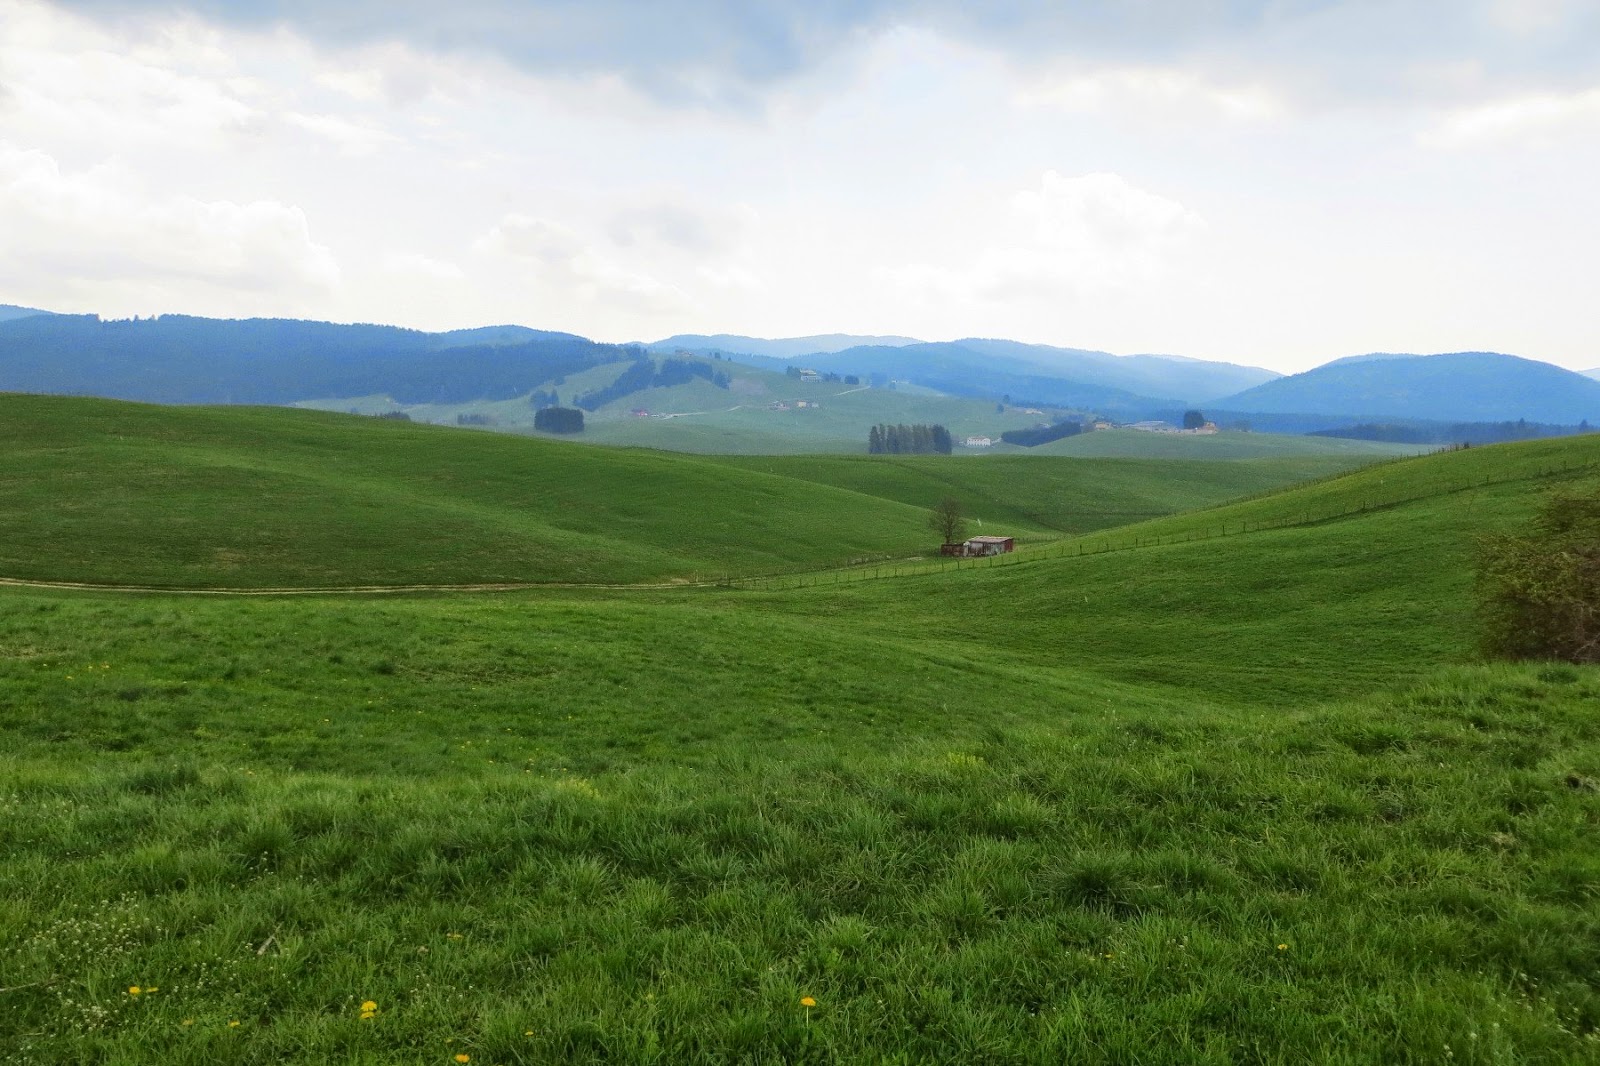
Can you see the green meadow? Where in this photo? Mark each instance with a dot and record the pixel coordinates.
(1218, 778)
(130, 494)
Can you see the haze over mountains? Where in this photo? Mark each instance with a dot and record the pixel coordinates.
(184, 359)
(1462, 386)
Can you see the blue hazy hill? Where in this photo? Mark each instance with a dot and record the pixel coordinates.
(1452, 387)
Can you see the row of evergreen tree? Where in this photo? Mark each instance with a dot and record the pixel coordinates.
(558, 420)
(1032, 438)
(885, 439)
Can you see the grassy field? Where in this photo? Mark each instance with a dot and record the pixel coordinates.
(1209, 797)
(740, 420)
(120, 493)
(1135, 444)
(698, 417)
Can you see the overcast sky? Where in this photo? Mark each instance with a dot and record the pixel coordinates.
(1276, 182)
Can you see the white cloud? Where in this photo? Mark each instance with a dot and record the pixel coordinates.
(1160, 91)
(563, 263)
(353, 138)
(1533, 16)
(415, 265)
(1547, 117)
(66, 77)
(680, 226)
(526, 237)
(1103, 215)
(95, 228)
(1095, 234)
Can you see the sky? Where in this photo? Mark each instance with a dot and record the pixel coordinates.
(1270, 182)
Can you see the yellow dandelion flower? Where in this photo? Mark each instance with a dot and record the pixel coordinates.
(134, 990)
(528, 1033)
(807, 1001)
(152, 990)
(1283, 947)
(369, 1005)
(463, 1058)
(234, 1024)
(188, 1021)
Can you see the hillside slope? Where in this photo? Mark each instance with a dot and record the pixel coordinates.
(121, 493)
(107, 491)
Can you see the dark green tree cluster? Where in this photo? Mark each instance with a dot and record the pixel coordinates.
(1032, 438)
(558, 420)
(637, 376)
(1539, 590)
(1452, 432)
(643, 374)
(683, 371)
(543, 398)
(919, 439)
(1193, 419)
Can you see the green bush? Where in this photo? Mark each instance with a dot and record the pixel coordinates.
(1539, 591)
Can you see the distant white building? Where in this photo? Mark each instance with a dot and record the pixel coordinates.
(980, 442)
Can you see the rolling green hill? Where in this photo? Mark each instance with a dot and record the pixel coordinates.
(1133, 443)
(120, 493)
(1232, 790)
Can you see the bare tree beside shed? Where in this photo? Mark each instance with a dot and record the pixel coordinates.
(948, 520)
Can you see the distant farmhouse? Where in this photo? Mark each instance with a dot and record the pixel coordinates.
(979, 442)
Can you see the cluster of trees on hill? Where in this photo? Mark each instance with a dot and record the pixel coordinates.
(543, 398)
(1032, 438)
(682, 371)
(1452, 432)
(919, 439)
(558, 420)
(644, 374)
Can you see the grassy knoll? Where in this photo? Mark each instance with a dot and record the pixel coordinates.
(740, 420)
(699, 417)
(120, 493)
(123, 493)
(1244, 799)
(1133, 443)
(1027, 492)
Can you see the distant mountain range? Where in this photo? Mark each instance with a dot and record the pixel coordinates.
(1131, 385)
(180, 359)
(1453, 387)
(11, 311)
(184, 359)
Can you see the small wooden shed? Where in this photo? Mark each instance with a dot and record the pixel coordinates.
(989, 545)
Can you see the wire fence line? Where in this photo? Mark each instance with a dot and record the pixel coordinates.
(1106, 542)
